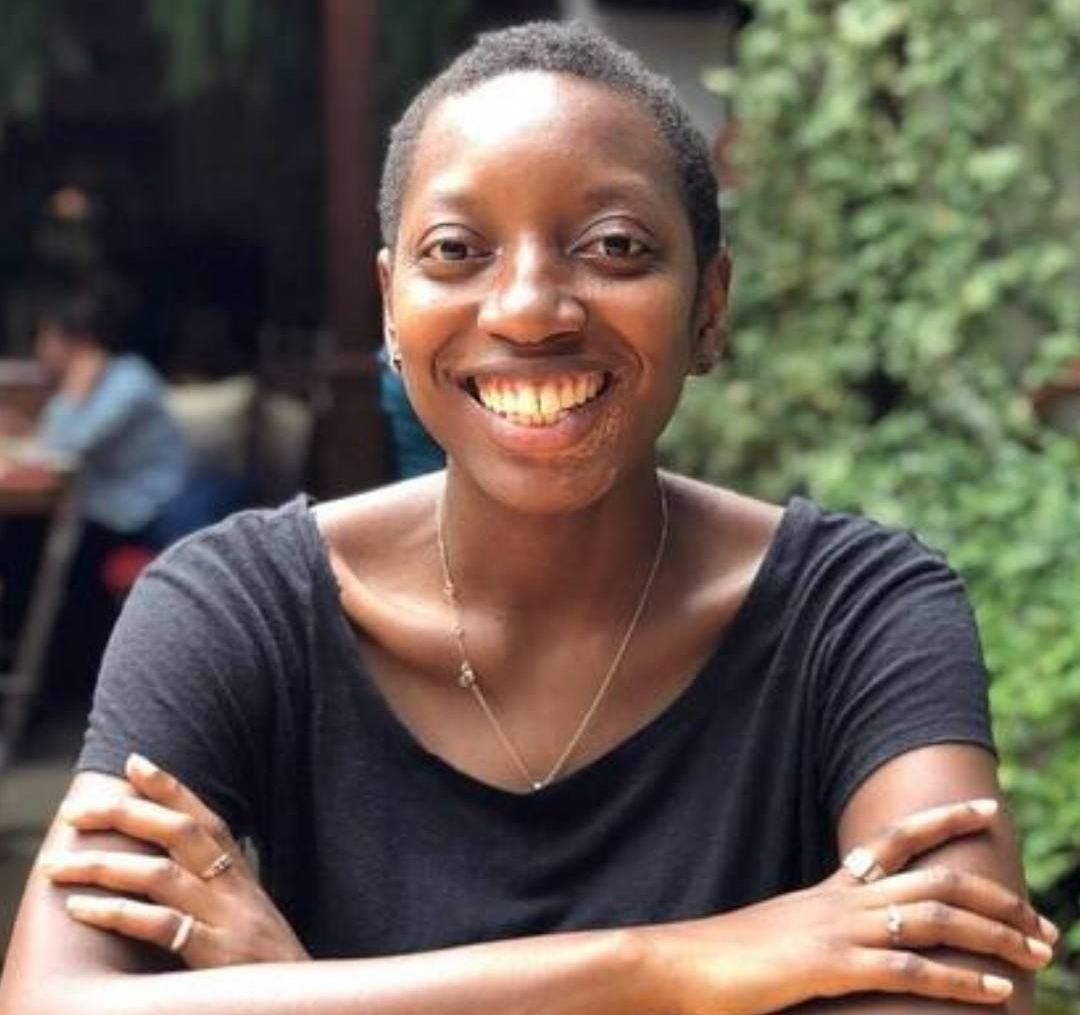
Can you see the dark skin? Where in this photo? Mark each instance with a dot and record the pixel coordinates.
(542, 233)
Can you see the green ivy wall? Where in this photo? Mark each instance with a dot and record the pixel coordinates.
(906, 234)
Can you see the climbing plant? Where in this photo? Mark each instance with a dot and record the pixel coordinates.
(905, 221)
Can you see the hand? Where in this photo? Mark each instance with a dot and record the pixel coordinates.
(233, 921)
(14, 423)
(851, 935)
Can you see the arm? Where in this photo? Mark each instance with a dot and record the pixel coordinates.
(924, 778)
(828, 940)
(53, 959)
(14, 422)
(78, 427)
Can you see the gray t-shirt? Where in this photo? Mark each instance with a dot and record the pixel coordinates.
(234, 667)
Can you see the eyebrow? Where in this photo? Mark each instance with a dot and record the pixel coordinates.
(608, 192)
(459, 197)
(452, 193)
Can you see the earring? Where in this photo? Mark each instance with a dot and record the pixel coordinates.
(395, 362)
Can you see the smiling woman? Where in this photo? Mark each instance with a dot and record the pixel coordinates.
(551, 731)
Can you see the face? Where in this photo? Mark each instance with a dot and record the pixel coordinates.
(543, 291)
(54, 349)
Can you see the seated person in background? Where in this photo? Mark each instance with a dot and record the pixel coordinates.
(107, 416)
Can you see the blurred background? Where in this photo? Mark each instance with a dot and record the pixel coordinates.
(902, 185)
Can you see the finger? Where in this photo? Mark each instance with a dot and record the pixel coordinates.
(967, 891)
(156, 784)
(156, 878)
(902, 972)
(911, 836)
(157, 925)
(177, 833)
(932, 924)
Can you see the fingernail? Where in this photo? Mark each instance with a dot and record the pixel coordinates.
(985, 807)
(71, 812)
(140, 766)
(997, 985)
(1049, 930)
(1040, 949)
(78, 905)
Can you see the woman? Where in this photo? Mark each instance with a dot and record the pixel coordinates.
(551, 731)
(108, 414)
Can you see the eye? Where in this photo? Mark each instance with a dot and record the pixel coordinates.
(448, 249)
(615, 246)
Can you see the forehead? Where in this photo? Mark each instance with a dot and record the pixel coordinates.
(520, 125)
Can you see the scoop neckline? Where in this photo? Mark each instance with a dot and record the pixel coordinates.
(577, 779)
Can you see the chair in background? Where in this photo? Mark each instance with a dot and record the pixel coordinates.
(293, 397)
(20, 687)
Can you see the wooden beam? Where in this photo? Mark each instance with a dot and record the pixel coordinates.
(350, 452)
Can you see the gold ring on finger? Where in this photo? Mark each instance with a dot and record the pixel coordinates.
(183, 934)
(894, 923)
(862, 865)
(218, 866)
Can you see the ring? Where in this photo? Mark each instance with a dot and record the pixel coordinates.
(219, 866)
(862, 865)
(183, 933)
(894, 922)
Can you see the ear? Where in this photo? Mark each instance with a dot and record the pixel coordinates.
(710, 314)
(384, 264)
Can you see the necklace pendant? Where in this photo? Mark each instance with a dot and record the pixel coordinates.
(466, 676)
(537, 786)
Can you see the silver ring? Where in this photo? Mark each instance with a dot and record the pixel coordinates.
(218, 866)
(894, 923)
(183, 933)
(862, 865)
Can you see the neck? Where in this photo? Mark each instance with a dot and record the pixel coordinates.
(560, 564)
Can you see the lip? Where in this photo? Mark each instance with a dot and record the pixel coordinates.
(554, 438)
(535, 370)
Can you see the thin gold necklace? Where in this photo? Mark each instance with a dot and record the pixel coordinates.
(467, 678)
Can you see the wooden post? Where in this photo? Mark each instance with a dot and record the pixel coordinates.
(350, 452)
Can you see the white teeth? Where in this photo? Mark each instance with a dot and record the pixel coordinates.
(528, 403)
(550, 403)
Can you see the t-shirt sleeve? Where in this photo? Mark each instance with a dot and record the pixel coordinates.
(902, 666)
(185, 682)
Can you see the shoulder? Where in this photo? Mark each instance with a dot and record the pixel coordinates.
(852, 564)
(816, 545)
(806, 560)
(379, 526)
(259, 555)
(133, 373)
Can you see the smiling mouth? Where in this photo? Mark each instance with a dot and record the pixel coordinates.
(539, 402)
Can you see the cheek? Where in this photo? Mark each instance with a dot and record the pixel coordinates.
(652, 318)
(428, 316)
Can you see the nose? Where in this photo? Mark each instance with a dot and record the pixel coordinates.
(531, 299)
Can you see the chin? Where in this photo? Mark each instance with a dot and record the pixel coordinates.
(540, 489)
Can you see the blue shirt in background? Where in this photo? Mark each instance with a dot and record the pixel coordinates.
(131, 453)
(414, 450)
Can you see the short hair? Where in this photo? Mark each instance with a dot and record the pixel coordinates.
(577, 51)
(85, 313)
